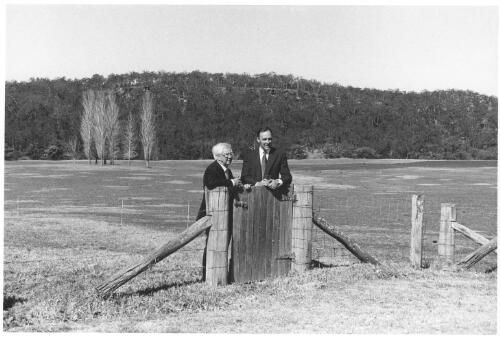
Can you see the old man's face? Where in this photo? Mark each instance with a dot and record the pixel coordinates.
(226, 156)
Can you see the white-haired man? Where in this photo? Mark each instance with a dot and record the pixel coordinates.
(217, 174)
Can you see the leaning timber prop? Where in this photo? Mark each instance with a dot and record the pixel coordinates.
(170, 247)
(347, 242)
(478, 254)
(474, 236)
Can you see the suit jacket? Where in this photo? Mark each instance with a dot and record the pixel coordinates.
(277, 164)
(213, 177)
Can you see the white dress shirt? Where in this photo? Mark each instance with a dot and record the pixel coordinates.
(261, 152)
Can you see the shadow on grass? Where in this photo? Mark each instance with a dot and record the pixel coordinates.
(9, 301)
(318, 264)
(152, 290)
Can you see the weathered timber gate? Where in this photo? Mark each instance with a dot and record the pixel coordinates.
(262, 235)
(269, 237)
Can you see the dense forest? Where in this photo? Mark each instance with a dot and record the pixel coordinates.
(195, 110)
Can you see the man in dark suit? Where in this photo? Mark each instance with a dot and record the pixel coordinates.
(266, 165)
(217, 174)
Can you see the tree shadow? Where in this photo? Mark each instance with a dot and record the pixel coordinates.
(9, 301)
(317, 264)
(152, 290)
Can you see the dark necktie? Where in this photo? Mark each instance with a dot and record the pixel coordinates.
(263, 162)
(228, 174)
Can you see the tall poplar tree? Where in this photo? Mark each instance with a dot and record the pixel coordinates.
(130, 139)
(87, 122)
(112, 125)
(148, 132)
(100, 129)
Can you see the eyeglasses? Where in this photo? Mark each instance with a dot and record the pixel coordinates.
(229, 154)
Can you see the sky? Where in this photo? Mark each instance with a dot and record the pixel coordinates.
(408, 48)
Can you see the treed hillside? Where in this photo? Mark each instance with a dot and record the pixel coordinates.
(195, 110)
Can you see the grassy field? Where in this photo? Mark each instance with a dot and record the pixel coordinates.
(67, 227)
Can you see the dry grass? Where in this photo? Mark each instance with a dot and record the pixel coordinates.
(55, 256)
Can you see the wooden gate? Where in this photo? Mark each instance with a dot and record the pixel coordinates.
(262, 235)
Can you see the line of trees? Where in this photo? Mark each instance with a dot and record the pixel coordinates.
(101, 132)
(192, 111)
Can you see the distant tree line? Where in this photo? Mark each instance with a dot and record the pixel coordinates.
(192, 111)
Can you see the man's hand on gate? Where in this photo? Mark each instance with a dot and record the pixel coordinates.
(236, 182)
(273, 184)
(263, 182)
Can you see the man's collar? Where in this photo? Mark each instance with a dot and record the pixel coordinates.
(261, 151)
(223, 167)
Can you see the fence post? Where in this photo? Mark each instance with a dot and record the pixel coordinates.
(417, 231)
(446, 241)
(217, 201)
(302, 227)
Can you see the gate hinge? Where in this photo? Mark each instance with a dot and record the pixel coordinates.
(292, 197)
(242, 204)
(287, 257)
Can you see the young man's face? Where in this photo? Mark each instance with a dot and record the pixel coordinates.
(265, 140)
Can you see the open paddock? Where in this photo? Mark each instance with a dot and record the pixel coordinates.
(68, 227)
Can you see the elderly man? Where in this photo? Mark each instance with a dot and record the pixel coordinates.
(266, 165)
(217, 174)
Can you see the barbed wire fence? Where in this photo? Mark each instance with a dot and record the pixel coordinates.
(479, 216)
(367, 218)
(380, 221)
(143, 215)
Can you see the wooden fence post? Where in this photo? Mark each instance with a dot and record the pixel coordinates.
(446, 241)
(217, 201)
(417, 231)
(302, 227)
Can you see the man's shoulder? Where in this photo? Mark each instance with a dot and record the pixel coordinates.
(247, 153)
(212, 165)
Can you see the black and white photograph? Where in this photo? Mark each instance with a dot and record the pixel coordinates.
(250, 168)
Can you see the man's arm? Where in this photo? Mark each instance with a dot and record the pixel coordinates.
(286, 176)
(212, 179)
(213, 182)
